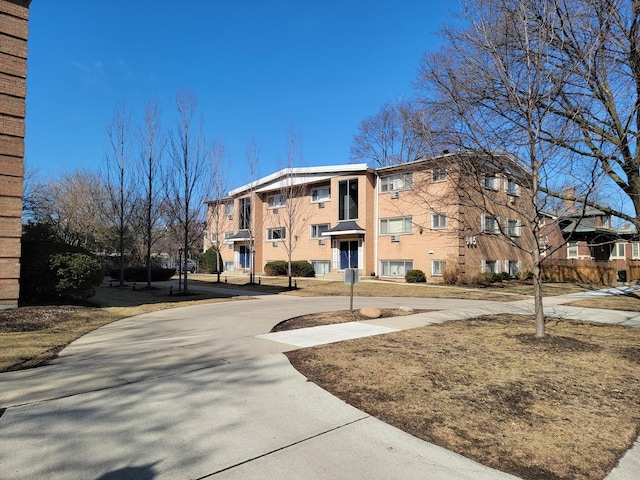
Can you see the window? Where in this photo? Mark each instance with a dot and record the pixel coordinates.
(635, 250)
(318, 230)
(396, 225)
(228, 265)
(321, 266)
(321, 194)
(348, 199)
(513, 267)
(618, 251)
(513, 228)
(438, 174)
(490, 224)
(437, 267)
(227, 236)
(491, 182)
(490, 266)
(245, 214)
(395, 268)
(275, 234)
(400, 181)
(439, 220)
(512, 188)
(228, 208)
(572, 250)
(276, 201)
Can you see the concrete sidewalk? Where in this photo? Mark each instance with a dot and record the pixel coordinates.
(204, 392)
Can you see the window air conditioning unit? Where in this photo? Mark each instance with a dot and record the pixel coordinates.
(230, 217)
(395, 238)
(512, 200)
(275, 244)
(321, 205)
(321, 242)
(395, 194)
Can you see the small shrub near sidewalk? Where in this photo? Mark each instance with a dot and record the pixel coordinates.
(280, 268)
(77, 275)
(415, 276)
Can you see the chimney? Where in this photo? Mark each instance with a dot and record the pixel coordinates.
(570, 205)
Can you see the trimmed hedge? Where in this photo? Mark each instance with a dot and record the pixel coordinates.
(214, 260)
(415, 276)
(139, 274)
(299, 268)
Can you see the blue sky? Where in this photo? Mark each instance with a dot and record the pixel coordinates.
(255, 67)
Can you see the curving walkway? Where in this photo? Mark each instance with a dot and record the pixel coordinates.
(205, 392)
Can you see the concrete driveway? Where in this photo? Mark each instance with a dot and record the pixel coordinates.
(205, 392)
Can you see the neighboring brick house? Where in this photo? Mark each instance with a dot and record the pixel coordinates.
(385, 222)
(14, 17)
(577, 234)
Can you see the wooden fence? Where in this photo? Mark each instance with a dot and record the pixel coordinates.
(581, 271)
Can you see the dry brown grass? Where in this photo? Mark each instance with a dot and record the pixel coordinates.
(505, 292)
(340, 316)
(629, 303)
(565, 407)
(31, 336)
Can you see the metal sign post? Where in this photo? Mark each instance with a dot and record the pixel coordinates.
(351, 277)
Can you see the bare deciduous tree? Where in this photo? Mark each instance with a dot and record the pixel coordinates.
(186, 179)
(73, 205)
(218, 220)
(292, 210)
(497, 81)
(118, 181)
(152, 145)
(387, 138)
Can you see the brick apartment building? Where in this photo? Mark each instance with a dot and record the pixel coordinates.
(429, 215)
(14, 17)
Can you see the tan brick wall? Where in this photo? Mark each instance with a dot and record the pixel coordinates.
(14, 17)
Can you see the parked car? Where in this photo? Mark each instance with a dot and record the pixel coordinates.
(190, 264)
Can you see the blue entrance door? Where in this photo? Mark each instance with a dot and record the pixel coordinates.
(348, 254)
(244, 256)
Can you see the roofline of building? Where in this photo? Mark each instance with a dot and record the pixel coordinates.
(298, 171)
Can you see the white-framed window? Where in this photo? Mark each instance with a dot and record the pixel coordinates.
(321, 266)
(321, 194)
(513, 228)
(390, 226)
(490, 224)
(319, 229)
(635, 250)
(228, 208)
(572, 249)
(395, 268)
(619, 251)
(275, 234)
(438, 174)
(438, 221)
(437, 268)
(393, 183)
(490, 266)
(513, 267)
(228, 265)
(492, 182)
(276, 201)
(512, 188)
